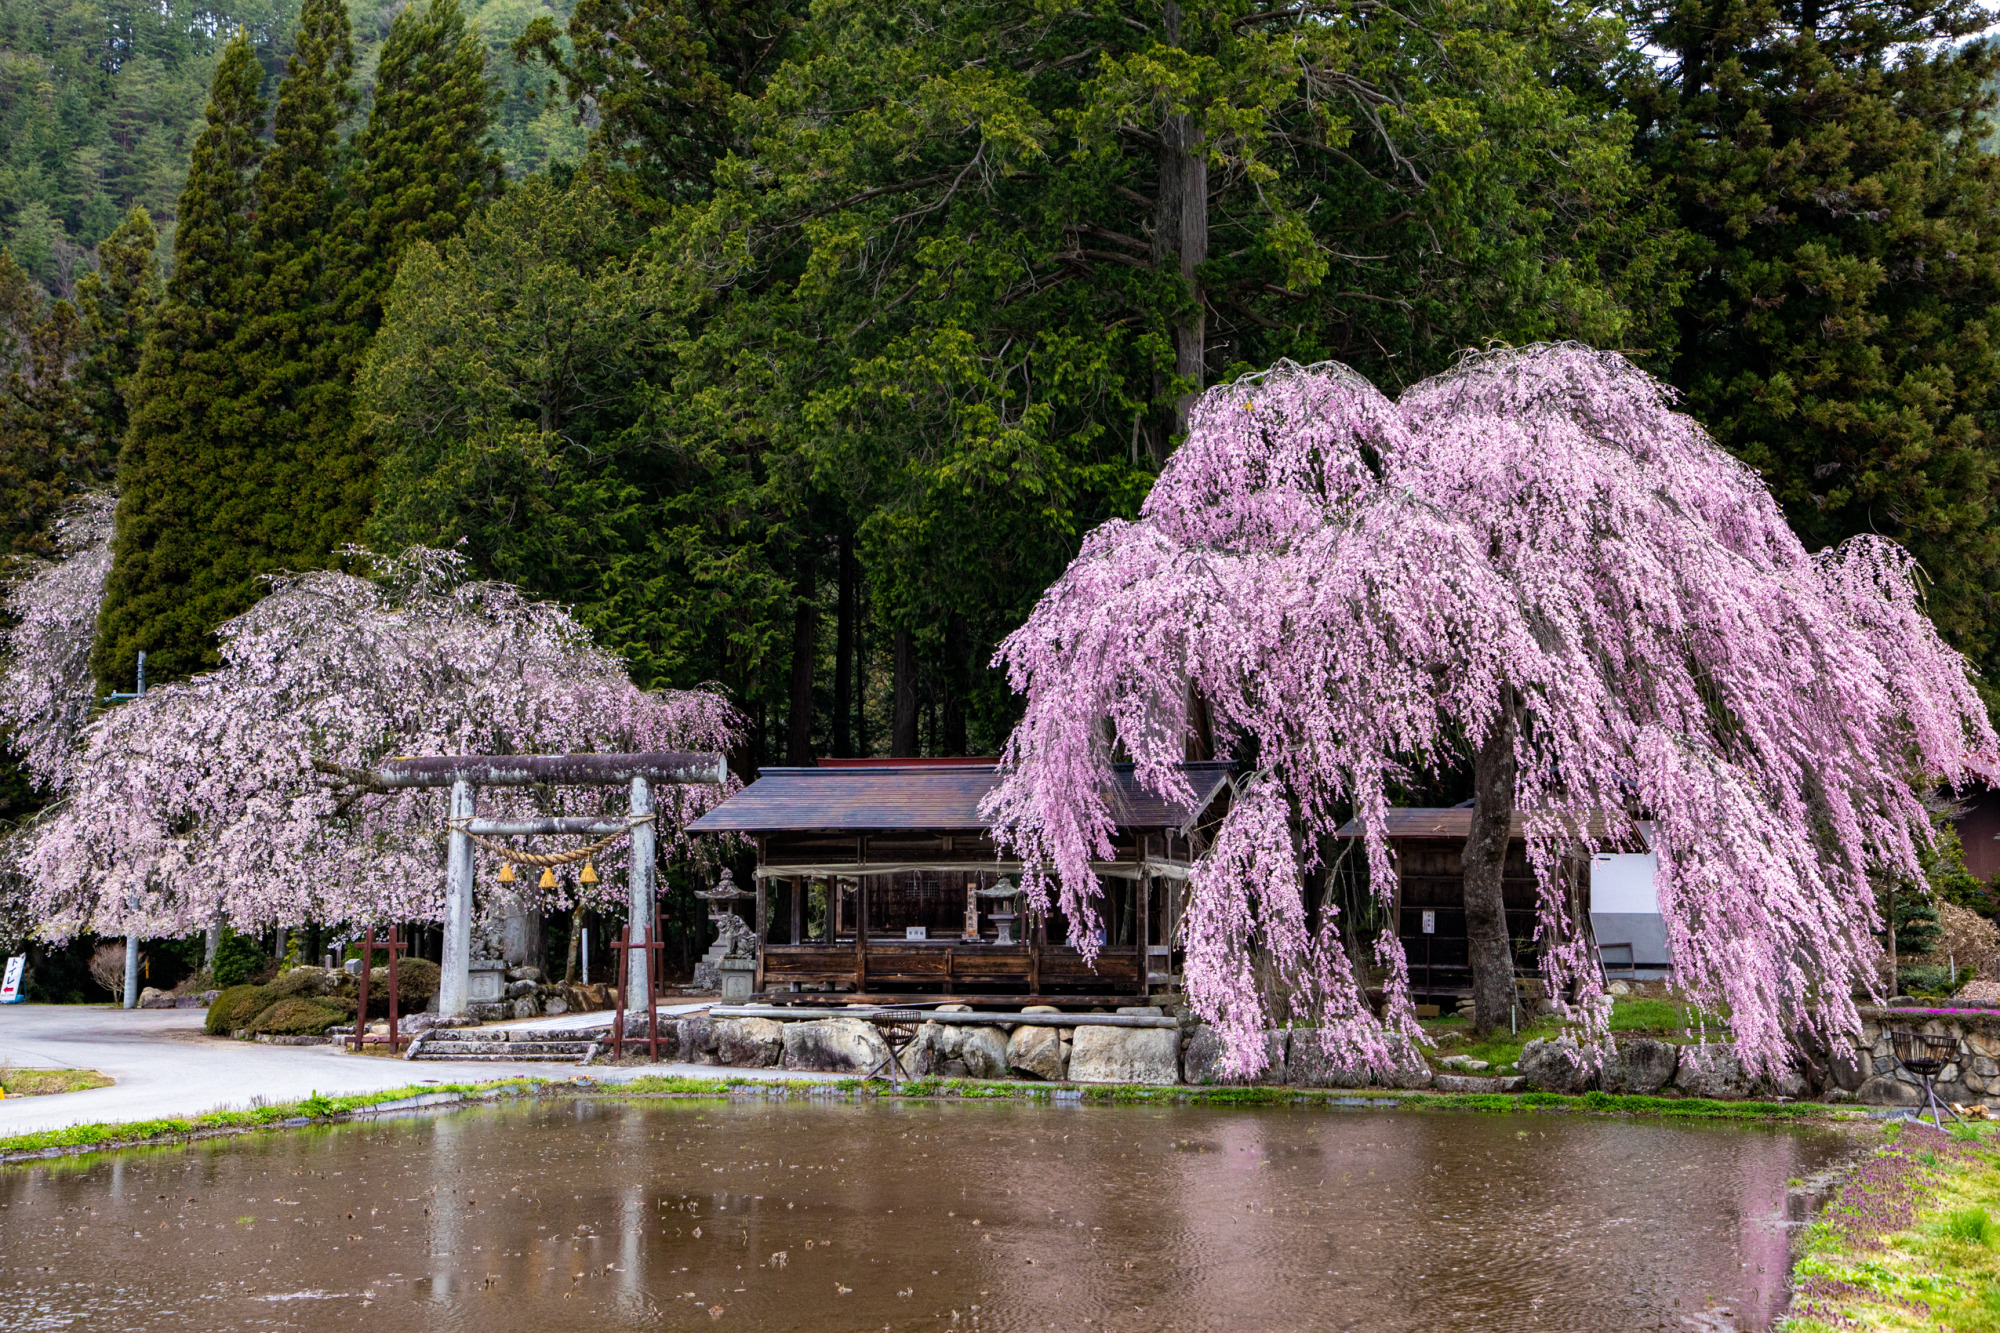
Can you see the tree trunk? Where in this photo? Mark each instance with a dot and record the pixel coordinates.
(903, 719)
(805, 649)
(956, 681)
(861, 743)
(1485, 859)
(1180, 236)
(212, 943)
(843, 652)
(575, 943)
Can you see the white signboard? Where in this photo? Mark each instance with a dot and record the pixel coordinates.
(10, 989)
(916, 932)
(1430, 923)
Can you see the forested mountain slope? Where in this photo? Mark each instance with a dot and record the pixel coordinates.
(100, 102)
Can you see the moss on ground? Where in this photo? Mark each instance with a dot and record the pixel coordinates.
(1912, 1244)
(44, 1082)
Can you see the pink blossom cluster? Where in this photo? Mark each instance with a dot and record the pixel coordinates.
(1353, 586)
(46, 694)
(203, 797)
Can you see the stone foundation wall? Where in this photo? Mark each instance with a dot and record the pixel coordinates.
(1874, 1075)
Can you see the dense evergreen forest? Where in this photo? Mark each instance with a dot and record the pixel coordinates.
(798, 347)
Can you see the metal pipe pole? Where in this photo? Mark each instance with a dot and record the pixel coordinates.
(640, 906)
(132, 902)
(455, 980)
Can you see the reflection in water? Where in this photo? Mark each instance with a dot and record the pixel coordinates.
(791, 1216)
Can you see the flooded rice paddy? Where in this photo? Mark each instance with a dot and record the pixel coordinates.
(791, 1215)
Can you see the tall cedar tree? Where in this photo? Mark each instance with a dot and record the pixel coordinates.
(308, 486)
(177, 568)
(425, 160)
(116, 300)
(659, 78)
(1840, 334)
(47, 447)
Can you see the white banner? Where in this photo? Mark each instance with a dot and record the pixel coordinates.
(10, 989)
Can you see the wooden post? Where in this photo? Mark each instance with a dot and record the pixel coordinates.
(861, 934)
(455, 975)
(1145, 934)
(798, 930)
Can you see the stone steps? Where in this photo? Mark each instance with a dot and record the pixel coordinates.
(494, 1045)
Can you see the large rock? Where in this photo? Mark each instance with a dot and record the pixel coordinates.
(1884, 1090)
(1037, 1052)
(1309, 1066)
(1203, 1061)
(1125, 1055)
(953, 1050)
(1555, 1065)
(698, 1039)
(154, 998)
(1408, 1070)
(526, 1007)
(753, 1043)
(1639, 1066)
(836, 1046)
(1712, 1070)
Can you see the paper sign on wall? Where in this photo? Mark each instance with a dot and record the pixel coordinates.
(10, 989)
(1430, 923)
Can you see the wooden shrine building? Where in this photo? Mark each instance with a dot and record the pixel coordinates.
(878, 881)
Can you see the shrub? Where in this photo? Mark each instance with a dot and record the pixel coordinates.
(235, 1007)
(297, 1016)
(307, 981)
(417, 978)
(238, 960)
(107, 967)
(1923, 979)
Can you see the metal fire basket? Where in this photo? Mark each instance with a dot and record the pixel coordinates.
(1926, 1056)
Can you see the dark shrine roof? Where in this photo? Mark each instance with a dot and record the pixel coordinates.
(897, 798)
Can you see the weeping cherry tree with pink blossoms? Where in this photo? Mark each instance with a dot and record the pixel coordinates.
(212, 796)
(1532, 567)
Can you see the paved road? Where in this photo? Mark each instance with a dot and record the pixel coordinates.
(166, 1066)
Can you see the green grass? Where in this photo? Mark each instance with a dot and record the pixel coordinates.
(672, 1083)
(1942, 1271)
(315, 1107)
(47, 1082)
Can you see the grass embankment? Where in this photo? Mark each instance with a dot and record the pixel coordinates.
(316, 1107)
(47, 1082)
(1911, 1243)
(1631, 1016)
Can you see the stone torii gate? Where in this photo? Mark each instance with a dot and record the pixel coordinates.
(465, 774)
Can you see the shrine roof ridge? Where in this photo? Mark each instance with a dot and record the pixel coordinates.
(936, 797)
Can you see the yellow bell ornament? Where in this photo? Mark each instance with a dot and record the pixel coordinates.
(589, 875)
(507, 873)
(548, 880)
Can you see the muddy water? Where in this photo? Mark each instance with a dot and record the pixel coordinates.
(797, 1216)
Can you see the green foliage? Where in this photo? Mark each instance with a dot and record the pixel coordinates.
(299, 1016)
(183, 558)
(660, 76)
(49, 448)
(235, 1007)
(237, 959)
(425, 163)
(1970, 1226)
(1929, 979)
(1839, 332)
(1915, 920)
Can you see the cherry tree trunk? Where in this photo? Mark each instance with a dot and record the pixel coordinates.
(1488, 949)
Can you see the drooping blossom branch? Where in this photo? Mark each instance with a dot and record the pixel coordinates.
(46, 690)
(207, 795)
(1356, 588)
